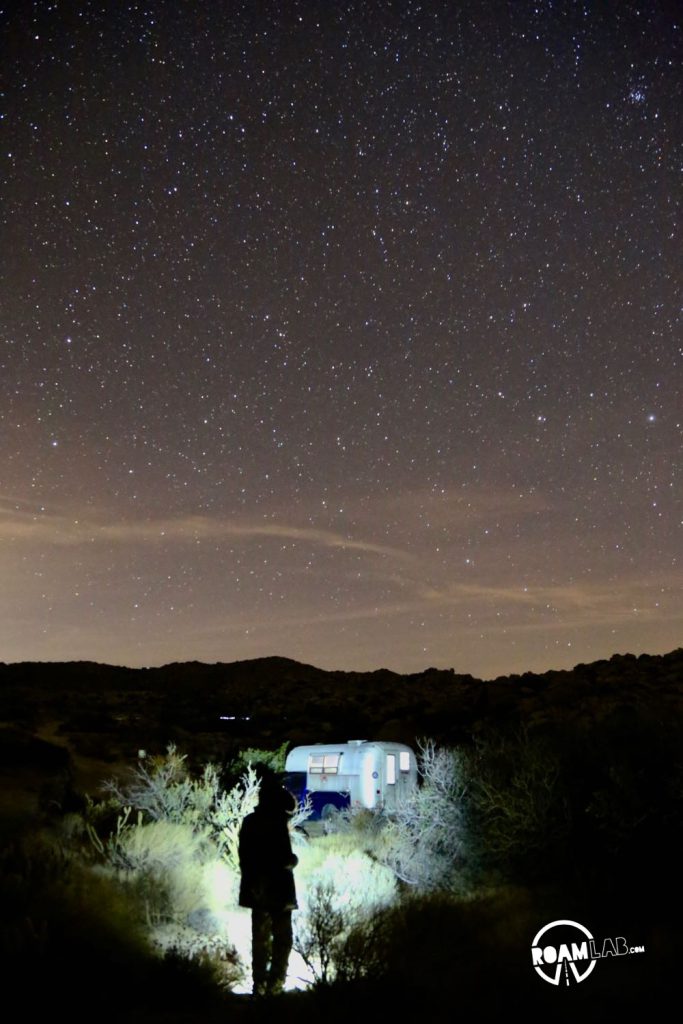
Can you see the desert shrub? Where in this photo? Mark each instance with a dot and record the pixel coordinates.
(174, 848)
(437, 942)
(637, 776)
(529, 806)
(214, 952)
(631, 805)
(60, 919)
(320, 931)
(423, 842)
(359, 882)
(495, 809)
(339, 886)
(257, 757)
(518, 807)
(162, 789)
(72, 940)
(168, 871)
(229, 810)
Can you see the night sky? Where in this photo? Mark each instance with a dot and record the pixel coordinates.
(345, 331)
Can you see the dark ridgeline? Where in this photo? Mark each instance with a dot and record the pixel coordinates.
(275, 699)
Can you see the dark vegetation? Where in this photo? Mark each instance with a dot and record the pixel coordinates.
(569, 804)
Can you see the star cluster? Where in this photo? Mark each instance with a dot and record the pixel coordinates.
(342, 331)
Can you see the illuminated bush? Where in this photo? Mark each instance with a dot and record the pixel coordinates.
(260, 757)
(175, 848)
(162, 789)
(422, 842)
(320, 930)
(425, 840)
(360, 883)
(479, 813)
(339, 886)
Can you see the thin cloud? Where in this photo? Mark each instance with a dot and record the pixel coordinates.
(538, 609)
(573, 605)
(61, 530)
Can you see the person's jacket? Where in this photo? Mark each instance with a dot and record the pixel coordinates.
(267, 861)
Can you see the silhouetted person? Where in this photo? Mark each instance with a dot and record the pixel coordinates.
(267, 885)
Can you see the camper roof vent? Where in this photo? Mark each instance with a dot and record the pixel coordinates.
(355, 743)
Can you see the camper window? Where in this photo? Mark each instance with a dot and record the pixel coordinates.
(404, 760)
(323, 764)
(391, 769)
